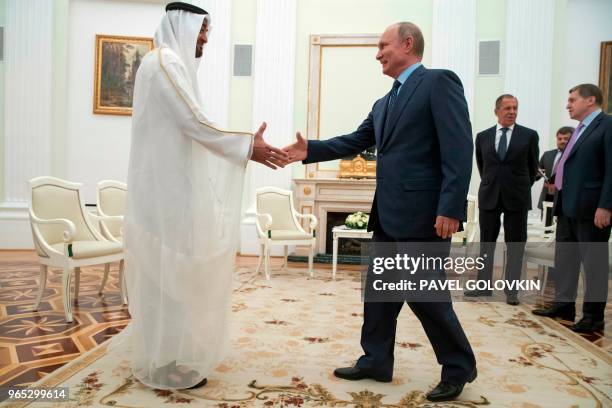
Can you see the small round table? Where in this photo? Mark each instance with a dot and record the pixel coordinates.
(343, 231)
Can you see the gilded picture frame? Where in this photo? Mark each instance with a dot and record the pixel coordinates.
(117, 60)
(319, 43)
(605, 75)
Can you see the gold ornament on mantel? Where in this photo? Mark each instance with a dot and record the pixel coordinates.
(357, 168)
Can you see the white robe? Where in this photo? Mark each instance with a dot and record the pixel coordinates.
(185, 182)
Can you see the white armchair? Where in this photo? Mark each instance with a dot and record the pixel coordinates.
(470, 227)
(540, 246)
(111, 202)
(278, 224)
(64, 236)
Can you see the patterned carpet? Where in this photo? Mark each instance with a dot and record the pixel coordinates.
(287, 336)
(33, 344)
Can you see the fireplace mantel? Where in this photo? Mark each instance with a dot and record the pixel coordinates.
(323, 195)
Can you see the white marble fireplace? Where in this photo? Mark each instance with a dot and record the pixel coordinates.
(326, 195)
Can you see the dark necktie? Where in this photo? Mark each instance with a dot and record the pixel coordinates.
(502, 148)
(393, 96)
(392, 99)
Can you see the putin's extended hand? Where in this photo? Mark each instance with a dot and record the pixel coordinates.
(297, 151)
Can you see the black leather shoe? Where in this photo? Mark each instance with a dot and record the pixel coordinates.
(588, 325)
(477, 293)
(564, 312)
(446, 391)
(356, 373)
(198, 385)
(512, 300)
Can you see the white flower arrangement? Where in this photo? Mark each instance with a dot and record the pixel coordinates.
(358, 220)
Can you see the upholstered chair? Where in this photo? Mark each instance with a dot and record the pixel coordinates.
(278, 223)
(65, 237)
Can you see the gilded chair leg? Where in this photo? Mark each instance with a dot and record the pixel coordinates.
(66, 278)
(122, 283)
(267, 261)
(261, 257)
(105, 277)
(42, 284)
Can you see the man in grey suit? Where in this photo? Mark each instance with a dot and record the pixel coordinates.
(548, 164)
(422, 132)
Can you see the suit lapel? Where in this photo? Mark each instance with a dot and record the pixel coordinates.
(380, 121)
(404, 96)
(592, 126)
(491, 142)
(549, 162)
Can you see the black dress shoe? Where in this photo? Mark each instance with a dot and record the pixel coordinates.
(477, 293)
(512, 300)
(356, 373)
(564, 312)
(588, 325)
(198, 385)
(446, 391)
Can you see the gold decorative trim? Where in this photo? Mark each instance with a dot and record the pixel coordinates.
(64, 373)
(193, 111)
(357, 168)
(317, 43)
(100, 38)
(310, 211)
(584, 343)
(307, 190)
(304, 207)
(605, 73)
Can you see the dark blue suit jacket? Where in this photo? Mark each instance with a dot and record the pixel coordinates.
(587, 174)
(424, 159)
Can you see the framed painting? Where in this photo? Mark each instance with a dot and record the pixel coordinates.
(117, 60)
(605, 75)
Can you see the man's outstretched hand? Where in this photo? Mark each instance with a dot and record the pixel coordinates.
(265, 154)
(297, 151)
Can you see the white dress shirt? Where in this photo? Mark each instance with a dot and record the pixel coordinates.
(557, 157)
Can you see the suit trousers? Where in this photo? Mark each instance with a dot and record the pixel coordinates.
(581, 242)
(515, 236)
(441, 325)
(549, 215)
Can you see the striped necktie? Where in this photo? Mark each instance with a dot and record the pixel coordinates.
(391, 102)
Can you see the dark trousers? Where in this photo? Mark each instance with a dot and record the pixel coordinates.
(515, 236)
(548, 222)
(581, 242)
(441, 325)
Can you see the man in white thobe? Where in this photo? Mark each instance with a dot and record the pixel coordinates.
(185, 182)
